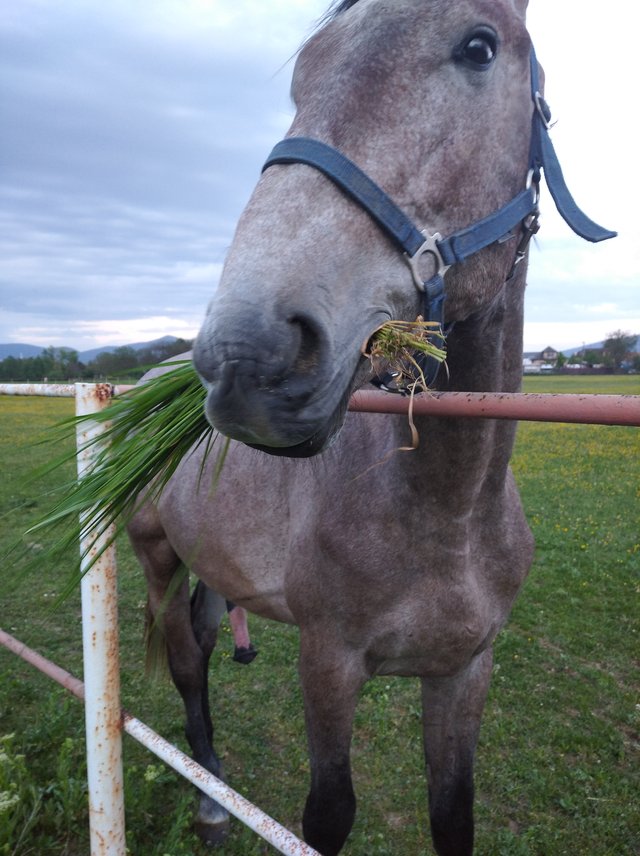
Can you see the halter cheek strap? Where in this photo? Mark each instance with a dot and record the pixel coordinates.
(521, 211)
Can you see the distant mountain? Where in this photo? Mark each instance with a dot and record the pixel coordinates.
(87, 356)
(596, 346)
(19, 350)
(22, 351)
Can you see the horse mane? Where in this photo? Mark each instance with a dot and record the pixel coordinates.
(338, 7)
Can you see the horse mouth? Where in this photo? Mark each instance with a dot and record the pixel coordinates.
(263, 399)
(317, 442)
(272, 424)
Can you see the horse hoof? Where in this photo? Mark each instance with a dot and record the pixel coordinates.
(212, 822)
(212, 834)
(245, 655)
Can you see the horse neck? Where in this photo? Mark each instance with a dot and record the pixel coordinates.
(484, 352)
(462, 458)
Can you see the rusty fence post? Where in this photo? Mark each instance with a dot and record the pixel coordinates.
(100, 652)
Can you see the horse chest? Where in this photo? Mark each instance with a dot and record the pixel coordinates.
(435, 630)
(405, 614)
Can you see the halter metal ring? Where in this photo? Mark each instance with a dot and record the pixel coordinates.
(430, 245)
(534, 186)
(543, 110)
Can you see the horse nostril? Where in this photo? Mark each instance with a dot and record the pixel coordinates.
(309, 344)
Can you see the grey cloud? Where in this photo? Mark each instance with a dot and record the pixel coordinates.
(128, 154)
(132, 137)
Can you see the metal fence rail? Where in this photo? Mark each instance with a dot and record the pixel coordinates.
(523, 406)
(250, 815)
(591, 409)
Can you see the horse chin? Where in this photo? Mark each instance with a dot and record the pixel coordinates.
(317, 442)
(309, 432)
(271, 424)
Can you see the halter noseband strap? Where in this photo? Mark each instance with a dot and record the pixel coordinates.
(522, 210)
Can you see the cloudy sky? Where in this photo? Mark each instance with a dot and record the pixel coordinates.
(133, 131)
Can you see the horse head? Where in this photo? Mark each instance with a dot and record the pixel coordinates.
(432, 100)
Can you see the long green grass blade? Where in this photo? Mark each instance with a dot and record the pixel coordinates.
(148, 431)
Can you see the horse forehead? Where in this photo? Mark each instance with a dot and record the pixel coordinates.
(373, 37)
(437, 6)
(379, 78)
(437, 15)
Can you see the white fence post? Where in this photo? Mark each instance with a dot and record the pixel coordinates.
(100, 652)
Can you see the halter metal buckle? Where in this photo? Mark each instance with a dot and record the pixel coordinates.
(530, 227)
(430, 245)
(543, 111)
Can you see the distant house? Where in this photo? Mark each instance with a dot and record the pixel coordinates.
(549, 355)
(535, 362)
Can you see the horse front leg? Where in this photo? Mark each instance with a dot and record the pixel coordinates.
(451, 711)
(207, 609)
(187, 628)
(331, 680)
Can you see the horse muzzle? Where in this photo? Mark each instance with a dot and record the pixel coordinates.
(270, 388)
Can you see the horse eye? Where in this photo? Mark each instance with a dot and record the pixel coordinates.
(479, 50)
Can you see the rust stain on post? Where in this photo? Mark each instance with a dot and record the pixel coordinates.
(103, 392)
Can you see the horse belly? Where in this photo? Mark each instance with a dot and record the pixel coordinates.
(234, 538)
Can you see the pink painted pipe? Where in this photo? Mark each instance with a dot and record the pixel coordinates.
(533, 407)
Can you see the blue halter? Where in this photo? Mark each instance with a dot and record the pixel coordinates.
(521, 211)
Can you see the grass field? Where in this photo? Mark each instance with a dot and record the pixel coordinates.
(557, 769)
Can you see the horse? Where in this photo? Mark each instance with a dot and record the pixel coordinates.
(389, 562)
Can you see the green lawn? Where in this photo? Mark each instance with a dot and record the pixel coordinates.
(603, 384)
(557, 770)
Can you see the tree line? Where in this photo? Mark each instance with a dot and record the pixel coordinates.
(55, 365)
(616, 353)
(61, 365)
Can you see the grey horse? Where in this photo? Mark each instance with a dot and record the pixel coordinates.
(390, 564)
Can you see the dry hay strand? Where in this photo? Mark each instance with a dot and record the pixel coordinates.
(394, 346)
(393, 349)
